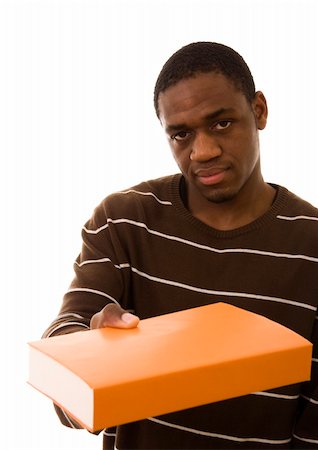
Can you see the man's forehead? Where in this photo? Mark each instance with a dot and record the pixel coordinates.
(202, 96)
(198, 79)
(197, 92)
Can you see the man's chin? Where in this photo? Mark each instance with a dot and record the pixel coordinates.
(220, 196)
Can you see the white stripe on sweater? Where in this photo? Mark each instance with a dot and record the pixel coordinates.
(280, 396)
(102, 260)
(93, 291)
(163, 202)
(223, 293)
(311, 441)
(310, 400)
(200, 246)
(75, 315)
(219, 436)
(98, 230)
(297, 218)
(106, 433)
(66, 324)
(68, 418)
(195, 289)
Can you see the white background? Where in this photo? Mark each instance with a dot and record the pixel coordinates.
(77, 123)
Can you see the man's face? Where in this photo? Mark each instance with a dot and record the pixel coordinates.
(213, 134)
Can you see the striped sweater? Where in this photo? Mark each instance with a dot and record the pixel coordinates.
(144, 250)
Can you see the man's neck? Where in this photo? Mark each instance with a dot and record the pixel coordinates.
(237, 212)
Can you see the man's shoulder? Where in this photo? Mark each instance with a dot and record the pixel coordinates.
(298, 215)
(136, 202)
(298, 206)
(150, 193)
(156, 185)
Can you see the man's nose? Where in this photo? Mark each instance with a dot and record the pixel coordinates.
(204, 148)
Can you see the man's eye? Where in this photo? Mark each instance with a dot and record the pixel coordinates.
(181, 136)
(223, 124)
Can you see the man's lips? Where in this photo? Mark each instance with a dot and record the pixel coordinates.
(211, 176)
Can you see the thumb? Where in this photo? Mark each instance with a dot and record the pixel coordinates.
(112, 315)
(129, 319)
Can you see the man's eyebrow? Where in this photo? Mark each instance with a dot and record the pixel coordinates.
(208, 117)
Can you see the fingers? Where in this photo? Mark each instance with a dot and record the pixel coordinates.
(114, 316)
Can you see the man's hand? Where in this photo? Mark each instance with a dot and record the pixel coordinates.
(113, 316)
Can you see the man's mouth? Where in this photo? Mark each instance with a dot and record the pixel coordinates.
(211, 176)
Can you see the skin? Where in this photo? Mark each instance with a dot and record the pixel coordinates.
(213, 134)
(113, 316)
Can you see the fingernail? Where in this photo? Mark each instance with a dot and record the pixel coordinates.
(127, 317)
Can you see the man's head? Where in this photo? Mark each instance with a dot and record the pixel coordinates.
(211, 114)
(203, 57)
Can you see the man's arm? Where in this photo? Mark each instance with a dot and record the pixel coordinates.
(94, 297)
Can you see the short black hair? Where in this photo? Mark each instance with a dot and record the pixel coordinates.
(203, 57)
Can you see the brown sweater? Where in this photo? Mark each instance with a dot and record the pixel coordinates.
(144, 250)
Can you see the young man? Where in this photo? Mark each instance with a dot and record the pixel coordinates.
(215, 232)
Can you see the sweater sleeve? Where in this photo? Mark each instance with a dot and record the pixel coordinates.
(101, 276)
(306, 429)
(98, 281)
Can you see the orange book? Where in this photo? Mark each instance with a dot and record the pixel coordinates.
(109, 376)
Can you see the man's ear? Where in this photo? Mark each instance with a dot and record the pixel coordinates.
(260, 110)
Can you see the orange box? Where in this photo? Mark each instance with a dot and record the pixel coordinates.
(109, 376)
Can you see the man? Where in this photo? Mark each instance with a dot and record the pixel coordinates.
(215, 232)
